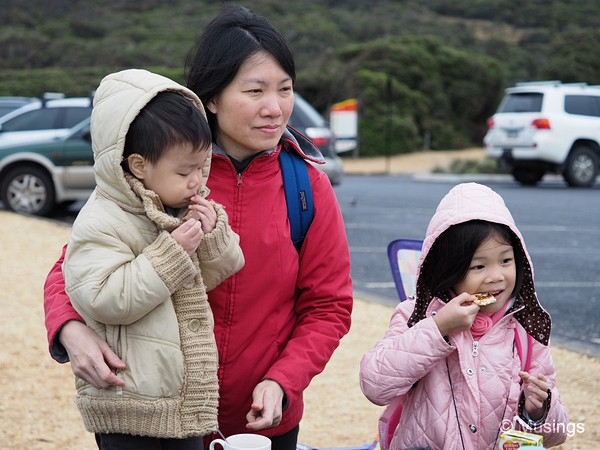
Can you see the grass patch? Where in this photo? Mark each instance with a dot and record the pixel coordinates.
(471, 166)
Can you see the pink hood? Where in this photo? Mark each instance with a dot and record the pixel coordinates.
(472, 201)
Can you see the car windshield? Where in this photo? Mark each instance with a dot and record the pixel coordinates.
(521, 102)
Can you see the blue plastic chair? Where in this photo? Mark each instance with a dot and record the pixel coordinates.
(404, 255)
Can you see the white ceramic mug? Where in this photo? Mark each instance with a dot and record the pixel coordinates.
(243, 442)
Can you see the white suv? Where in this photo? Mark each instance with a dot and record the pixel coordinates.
(547, 126)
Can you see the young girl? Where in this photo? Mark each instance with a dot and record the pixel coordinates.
(454, 364)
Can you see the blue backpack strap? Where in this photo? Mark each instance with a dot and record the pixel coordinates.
(298, 195)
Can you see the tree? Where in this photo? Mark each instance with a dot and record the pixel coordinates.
(574, 57)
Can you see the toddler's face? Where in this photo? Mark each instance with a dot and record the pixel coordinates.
(493, 270)
(176, 176)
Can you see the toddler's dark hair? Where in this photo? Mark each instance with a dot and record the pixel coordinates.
(168, 119)
(449, 259)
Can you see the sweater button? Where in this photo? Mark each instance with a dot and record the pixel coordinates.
(194, 325)
(473, 428)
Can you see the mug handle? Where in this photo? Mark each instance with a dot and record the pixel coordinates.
(217, 441)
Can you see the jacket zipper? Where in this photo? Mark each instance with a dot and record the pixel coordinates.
(119, 389)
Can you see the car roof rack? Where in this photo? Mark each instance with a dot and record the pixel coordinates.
(554, 83)
(539, 83)
(51, 96)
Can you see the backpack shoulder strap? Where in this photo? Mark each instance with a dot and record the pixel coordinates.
(298, 195)
(524, 344)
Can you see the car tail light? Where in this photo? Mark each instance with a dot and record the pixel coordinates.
(321, 137)
(320, 141)
(490, 123)
(541, 124)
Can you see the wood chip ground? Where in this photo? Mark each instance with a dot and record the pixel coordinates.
(36, 393)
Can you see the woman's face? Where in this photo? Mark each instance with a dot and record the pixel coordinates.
(493, 269)
(253, 110)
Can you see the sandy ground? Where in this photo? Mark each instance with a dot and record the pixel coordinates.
(37, 409)
(409, 163)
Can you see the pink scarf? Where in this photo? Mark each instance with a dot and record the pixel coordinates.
(484, 321)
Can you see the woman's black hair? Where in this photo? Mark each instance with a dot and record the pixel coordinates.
(170, 118)
(449, 258)
(228, 41)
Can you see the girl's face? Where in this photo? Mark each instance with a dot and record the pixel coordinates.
(253, 110)
(493, 270)
(175, 177)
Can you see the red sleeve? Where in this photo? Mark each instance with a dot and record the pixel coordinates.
(57, 308)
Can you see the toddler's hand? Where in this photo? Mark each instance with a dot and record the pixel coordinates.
(457, 315)
(208, 215)
(536, 393)
(189, 235)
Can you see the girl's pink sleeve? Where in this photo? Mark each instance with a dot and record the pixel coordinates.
(57, 308)
(556, 426)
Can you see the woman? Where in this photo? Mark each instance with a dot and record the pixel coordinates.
(278, 320)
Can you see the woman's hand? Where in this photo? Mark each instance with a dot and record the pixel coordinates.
(457, 315)
(266, 410)
(91, 357)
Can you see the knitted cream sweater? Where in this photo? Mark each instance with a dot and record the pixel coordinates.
(194, 411)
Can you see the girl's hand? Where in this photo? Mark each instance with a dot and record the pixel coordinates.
(457, 315)
(208, 215)
(536, 393)
(189, 235)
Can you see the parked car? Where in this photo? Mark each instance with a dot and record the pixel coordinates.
(8, 103)
(549, 126)
(35, 177)
(43, 119)
(309, 122)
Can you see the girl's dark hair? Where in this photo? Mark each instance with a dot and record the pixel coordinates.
(228, 41)
(449, 259)
(168, 119)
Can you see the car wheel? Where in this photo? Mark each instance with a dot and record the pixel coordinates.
(582, 167)
(28, 189)
(527, 176)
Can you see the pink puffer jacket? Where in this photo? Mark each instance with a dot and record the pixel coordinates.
(469, 388)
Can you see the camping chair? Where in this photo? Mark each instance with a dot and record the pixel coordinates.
(404, 255)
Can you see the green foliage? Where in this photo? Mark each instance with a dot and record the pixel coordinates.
(426, 72)
(415, 90)
(573, 57)
(78, 82)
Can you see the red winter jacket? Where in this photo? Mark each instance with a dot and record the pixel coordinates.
(282, 316)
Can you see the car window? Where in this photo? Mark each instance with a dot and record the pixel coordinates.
(73, 116)
(40, 119)
(304, 115)
(584, 105)
(7, 108)
(521, 102)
